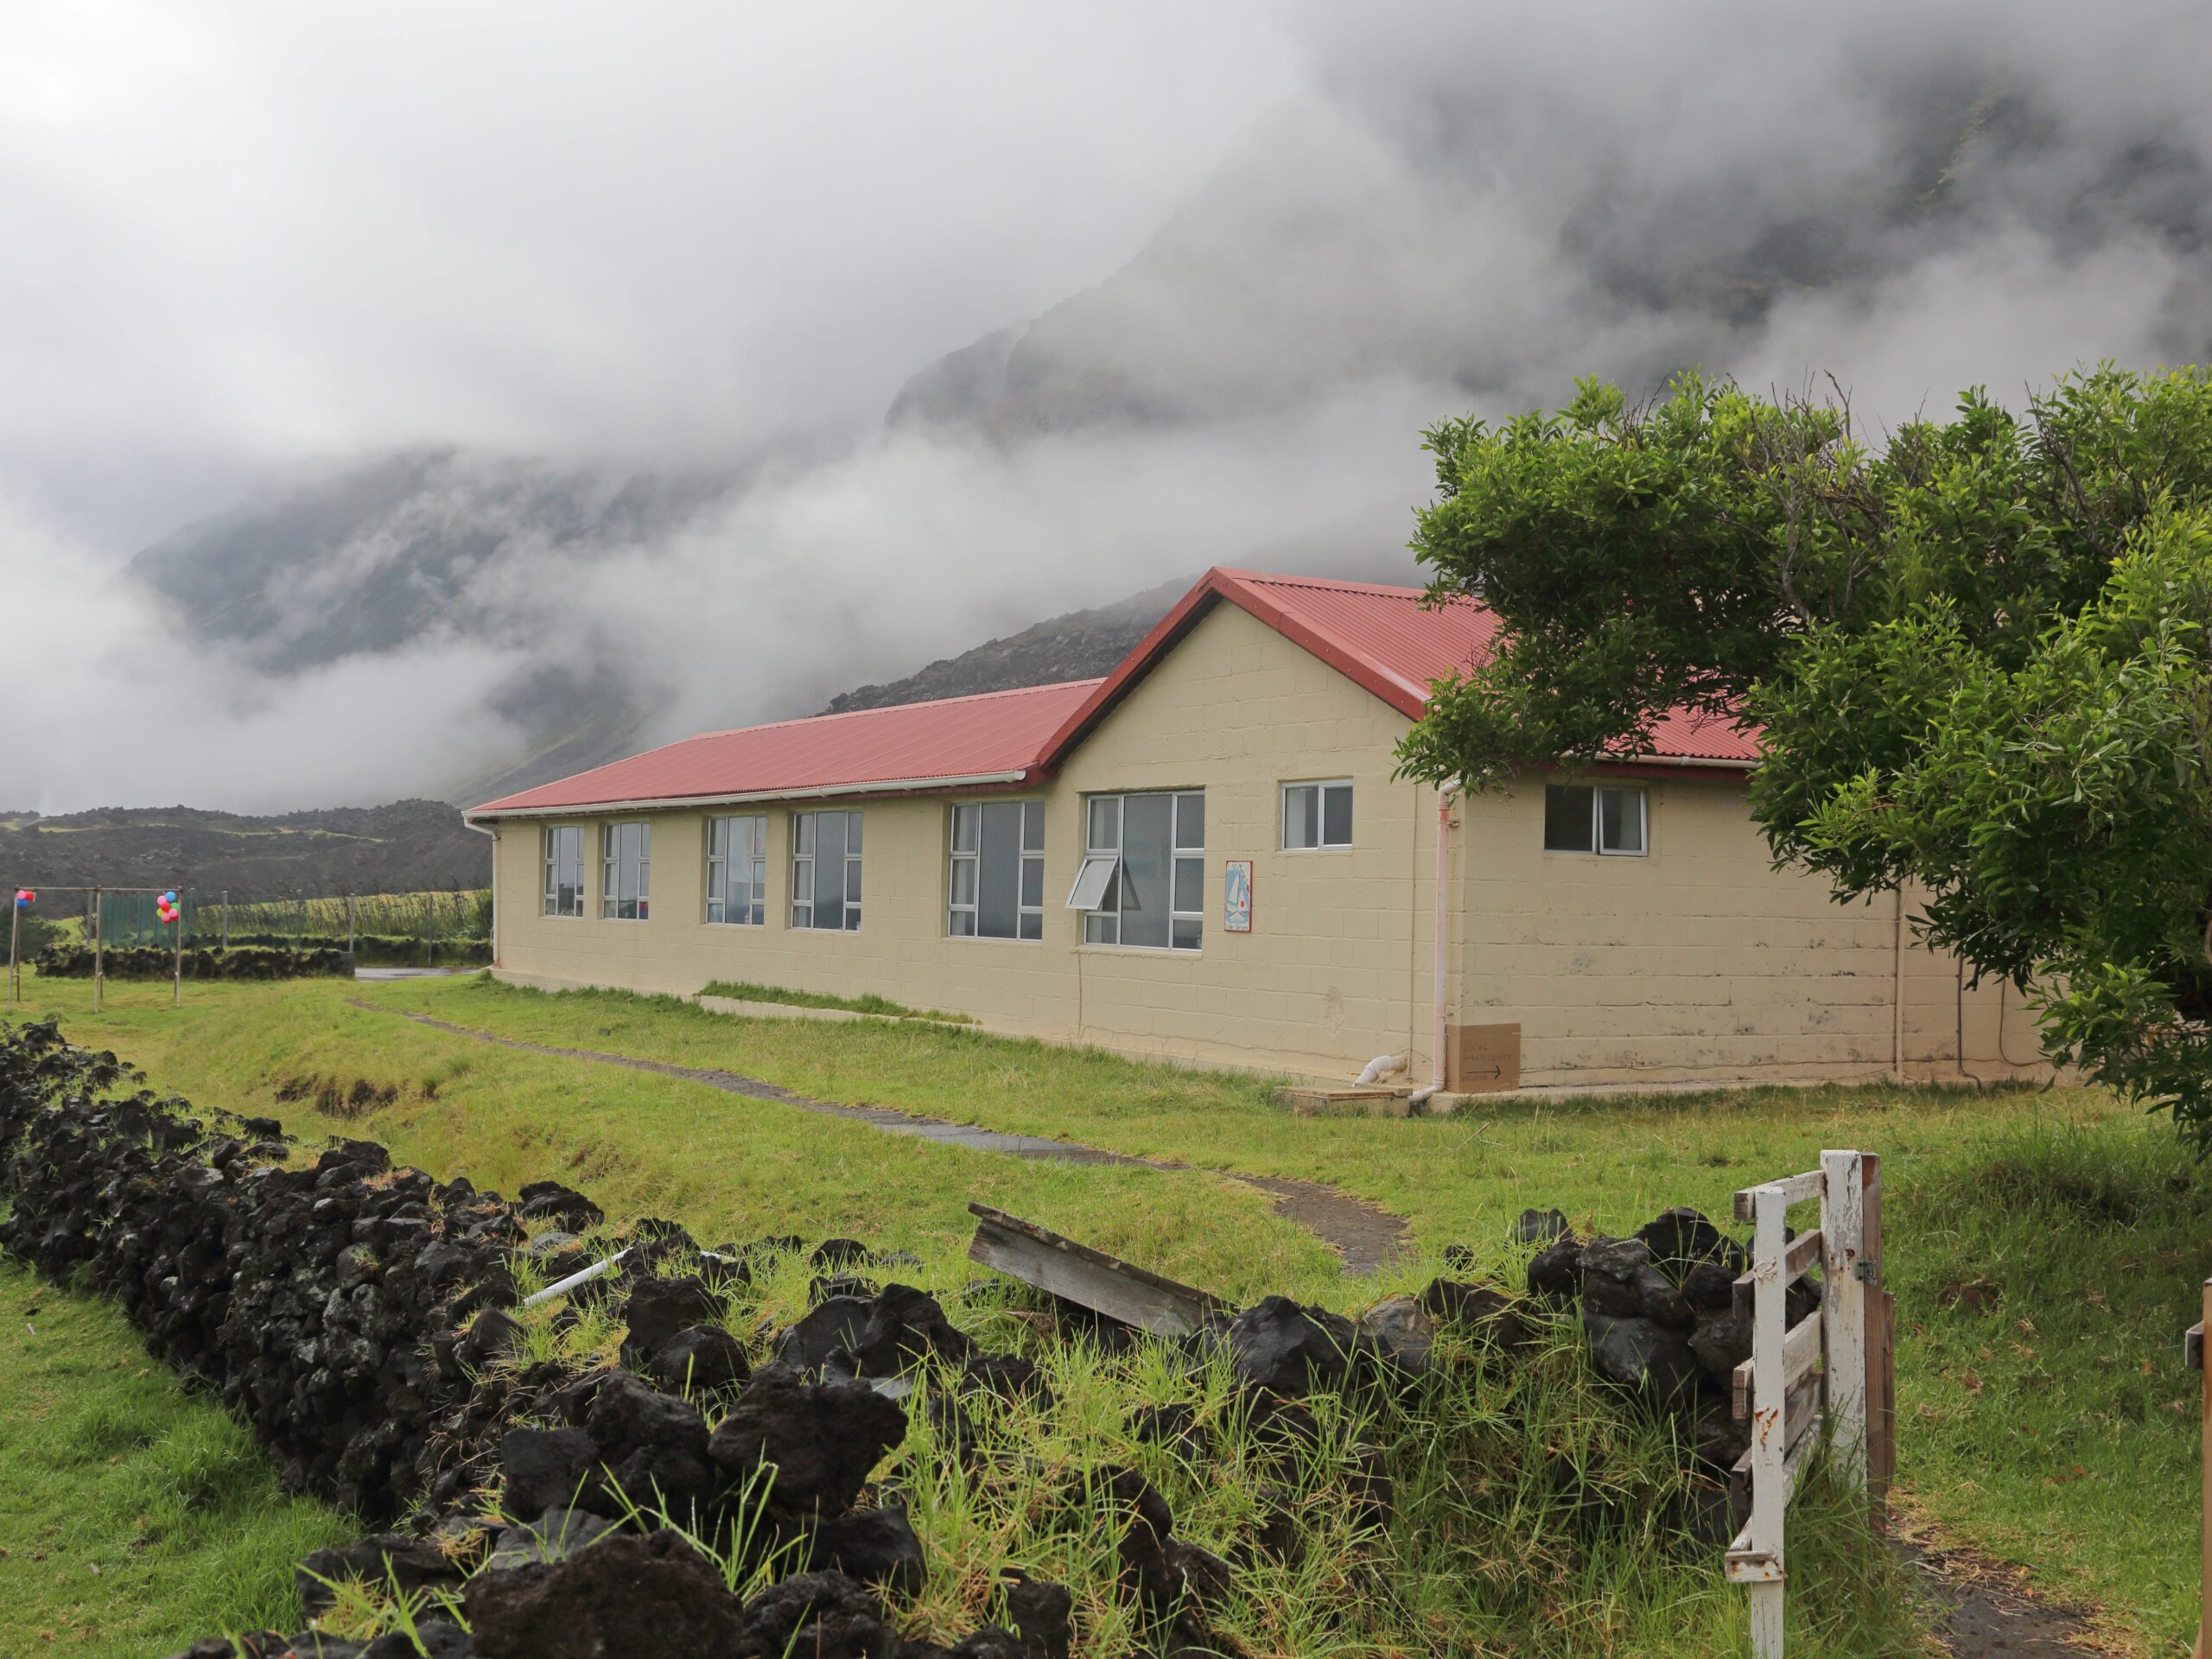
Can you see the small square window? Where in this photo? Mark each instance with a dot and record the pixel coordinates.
(1595, 818)
(1620, 821)
(1567, 819)
(1316, 814)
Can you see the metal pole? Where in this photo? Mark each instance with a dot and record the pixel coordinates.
(176, 971)
(349, 924)
(15, 973)
(299, 921)
(100, 958)
(226, 918)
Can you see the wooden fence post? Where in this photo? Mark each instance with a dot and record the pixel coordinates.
(100, 957)
(2203, 1363)
(1843, 1310)
(1881, 1350)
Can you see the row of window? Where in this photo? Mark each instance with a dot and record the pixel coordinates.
(1142, 882)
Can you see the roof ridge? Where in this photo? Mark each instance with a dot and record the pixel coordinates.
(1331, 584)
(888, 708)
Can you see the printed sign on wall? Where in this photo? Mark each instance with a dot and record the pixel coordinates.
(1237, 896)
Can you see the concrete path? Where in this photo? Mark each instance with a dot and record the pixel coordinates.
(1365, 1234)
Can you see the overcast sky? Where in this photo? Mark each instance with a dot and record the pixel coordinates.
(241, 240)
(241, 234)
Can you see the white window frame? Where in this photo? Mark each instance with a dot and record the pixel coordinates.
(718, 866)
(1097, 888)
(612, 836)
(1598, 794)
(803, 868)
(1321, 788)
(551, 866)
(964, 919)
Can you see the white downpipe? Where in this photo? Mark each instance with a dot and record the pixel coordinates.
(493, 831)
(1442, 928)
(1379, 1068)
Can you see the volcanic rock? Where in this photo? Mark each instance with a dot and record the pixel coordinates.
(878, 1546)
(412, 1564)
(821, 1615)
(1483, 1312)
(1279, 1345)
(628, 1594)
(550, 1201)
(658, 1308)
(1539, 1227)
(1555, 1271)
(1640, 1355)
(553, 1537)
(1401, 1330)
(823, 1439)
(701, 1359)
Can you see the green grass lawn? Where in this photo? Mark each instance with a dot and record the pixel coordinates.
(747, 990)
(2055, 1429)
(135, 1518)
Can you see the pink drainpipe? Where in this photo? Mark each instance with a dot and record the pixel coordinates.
(1443, 930)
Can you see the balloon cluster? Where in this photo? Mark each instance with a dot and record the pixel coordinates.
(25, 898)
(165, 907)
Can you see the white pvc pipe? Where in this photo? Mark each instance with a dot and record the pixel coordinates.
(1379, 1068)
(582, 1276)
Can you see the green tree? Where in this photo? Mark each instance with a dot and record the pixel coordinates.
(1979, 653)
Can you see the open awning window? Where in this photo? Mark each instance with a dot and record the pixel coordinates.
(1093, 881)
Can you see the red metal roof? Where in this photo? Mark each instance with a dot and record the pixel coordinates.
(997, 736)
(1384, 639)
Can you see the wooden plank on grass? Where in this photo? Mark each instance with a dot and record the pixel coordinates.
(1801, 1351)
(1344, 1102)
(1104, 1284)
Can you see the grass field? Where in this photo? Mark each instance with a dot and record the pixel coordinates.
(135, 1518)
(2051, 1425)
(747, 990)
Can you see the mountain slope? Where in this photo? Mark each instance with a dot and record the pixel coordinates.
(405, 847)
(1080, 646)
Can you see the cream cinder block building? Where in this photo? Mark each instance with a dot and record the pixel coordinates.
(1205, 856)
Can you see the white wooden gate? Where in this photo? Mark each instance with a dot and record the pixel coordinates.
(1829, 1375)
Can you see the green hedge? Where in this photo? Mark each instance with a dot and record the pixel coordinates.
(382, 949)
(240, 961)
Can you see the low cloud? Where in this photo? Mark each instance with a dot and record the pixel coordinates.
(119, 704)
(642, 293)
